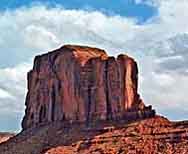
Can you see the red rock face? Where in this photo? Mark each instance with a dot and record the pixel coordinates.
(83, 84)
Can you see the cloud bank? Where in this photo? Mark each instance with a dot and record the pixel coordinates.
(160, 46)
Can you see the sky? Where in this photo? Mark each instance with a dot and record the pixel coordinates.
(154, 32)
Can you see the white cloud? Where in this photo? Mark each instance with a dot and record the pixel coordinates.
(156, 45)
(4, 94)
(40, 36)
(163, 80)
(13, 88)
(138, 1)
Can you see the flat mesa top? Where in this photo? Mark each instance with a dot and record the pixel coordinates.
(85, 49)
(81, 53)
(88, 52)
(84, 53)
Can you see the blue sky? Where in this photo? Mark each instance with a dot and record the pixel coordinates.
(154, 32)
(128, 8)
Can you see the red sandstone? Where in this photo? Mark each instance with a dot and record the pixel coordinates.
(76, 83)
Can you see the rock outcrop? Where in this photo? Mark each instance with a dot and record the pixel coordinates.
(75, 87)
(149, 136)
(83, 84)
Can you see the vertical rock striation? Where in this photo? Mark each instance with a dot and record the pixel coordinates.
(77, 83)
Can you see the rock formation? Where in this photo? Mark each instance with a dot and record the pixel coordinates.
(155, 135)
(83, 84)
(74, 87)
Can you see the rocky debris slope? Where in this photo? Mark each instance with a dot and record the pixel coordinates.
(150, 136)
(83, 84)
(5, 136)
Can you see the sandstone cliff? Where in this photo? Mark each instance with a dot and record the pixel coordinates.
(83, 84)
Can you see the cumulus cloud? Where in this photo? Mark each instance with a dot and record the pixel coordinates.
(4, 94)
(159, 46)
(12, 88)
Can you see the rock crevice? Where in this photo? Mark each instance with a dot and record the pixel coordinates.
(77, 83)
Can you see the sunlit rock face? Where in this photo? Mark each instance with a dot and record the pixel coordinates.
(5, 136)
(83, 84)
